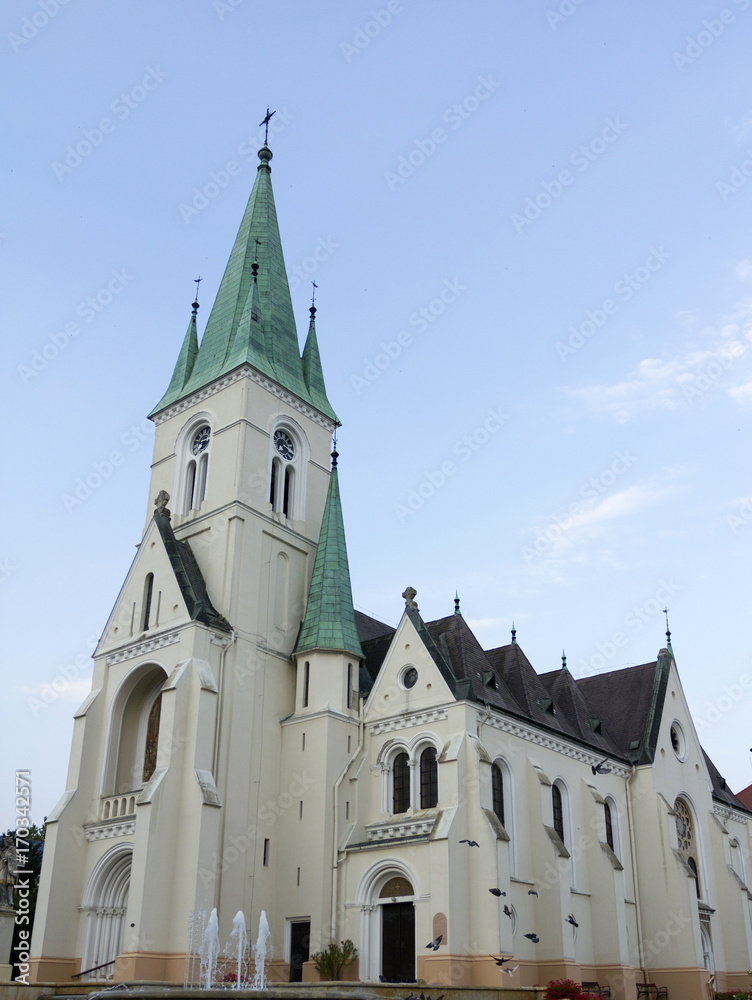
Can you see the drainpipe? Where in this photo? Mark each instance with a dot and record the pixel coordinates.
(215, 754)
(335, 851)
(633, 855)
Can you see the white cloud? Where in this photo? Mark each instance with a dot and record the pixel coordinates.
(679, 381)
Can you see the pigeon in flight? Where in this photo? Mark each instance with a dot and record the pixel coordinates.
(532, 892)
(501, 960)
(470, 843)
(533, 937)
(508, 911)
(497, 892)
(599, 768)
(572, 921)
(435, 943)
(511, 970)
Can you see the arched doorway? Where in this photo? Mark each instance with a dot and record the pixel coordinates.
(397, 931)
(106, 900)
(387, 943)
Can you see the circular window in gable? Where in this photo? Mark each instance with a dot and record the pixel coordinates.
(678, 742)
(409, 677)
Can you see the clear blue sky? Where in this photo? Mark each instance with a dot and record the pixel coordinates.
(530, 227)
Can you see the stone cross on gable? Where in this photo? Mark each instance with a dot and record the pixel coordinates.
(409, 595)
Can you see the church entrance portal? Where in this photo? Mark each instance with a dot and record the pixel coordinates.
(398, 942)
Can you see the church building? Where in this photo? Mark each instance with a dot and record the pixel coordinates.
(251, 742)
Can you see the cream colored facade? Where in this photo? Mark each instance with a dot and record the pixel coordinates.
(272, 778)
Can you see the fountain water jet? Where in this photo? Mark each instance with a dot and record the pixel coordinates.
(259, 953)
(238, 945)
(209, 951)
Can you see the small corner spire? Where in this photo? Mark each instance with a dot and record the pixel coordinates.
(456, 603)
(514, 635)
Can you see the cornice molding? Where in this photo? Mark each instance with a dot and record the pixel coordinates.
(408, 721)
(550, 742)
(235, 376)
(108, 829)
(727, 812)
(139, 647)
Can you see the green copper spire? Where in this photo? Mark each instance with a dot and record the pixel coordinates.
(329, 621)
(252, 320)
(186, 359)
(312, 371)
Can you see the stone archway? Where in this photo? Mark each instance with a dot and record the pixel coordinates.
(105, 902)
(387, 949)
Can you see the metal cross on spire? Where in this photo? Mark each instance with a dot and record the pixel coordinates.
(195, 301)
(668, 632)
(265, 121)
(313, 293)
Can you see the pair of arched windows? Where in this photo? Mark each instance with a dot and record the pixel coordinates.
(427, 793)
(286, 472)
(196, 446)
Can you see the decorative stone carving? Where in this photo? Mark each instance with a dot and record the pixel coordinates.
(409, 595)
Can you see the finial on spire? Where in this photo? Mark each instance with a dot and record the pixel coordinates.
(195, 301)
(265, 121)
(514, 635)
(668, 631)
(456, 603)
(563, 660)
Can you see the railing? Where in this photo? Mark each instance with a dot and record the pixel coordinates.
(115, 806)
(94, 968)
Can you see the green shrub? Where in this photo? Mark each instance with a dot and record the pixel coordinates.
(330, 962)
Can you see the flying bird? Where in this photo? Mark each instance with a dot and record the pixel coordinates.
(511, 970)
(470, 843)
(572, 921)
(435, 943)
(533, 937)
(501, 960)
(508, 911)
(532, 892)
(497, 892)
(599, 768)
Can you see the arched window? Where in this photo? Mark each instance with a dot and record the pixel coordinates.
(429, 779)
(401, 784)
(148, 591)
(609, 825)
(497, 791)
(287, 466)
(192, 448)
(685, 833)
(558, 809)
(152, 739)
(134, 731)
(105, 901)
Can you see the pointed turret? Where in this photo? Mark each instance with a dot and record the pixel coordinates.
(185, 363)
(329, 622)
(252, 319)
(312, 371)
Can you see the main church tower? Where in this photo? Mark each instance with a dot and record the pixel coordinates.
(190, 784)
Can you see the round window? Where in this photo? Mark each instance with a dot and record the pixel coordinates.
(678, 743)
(410, 677)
